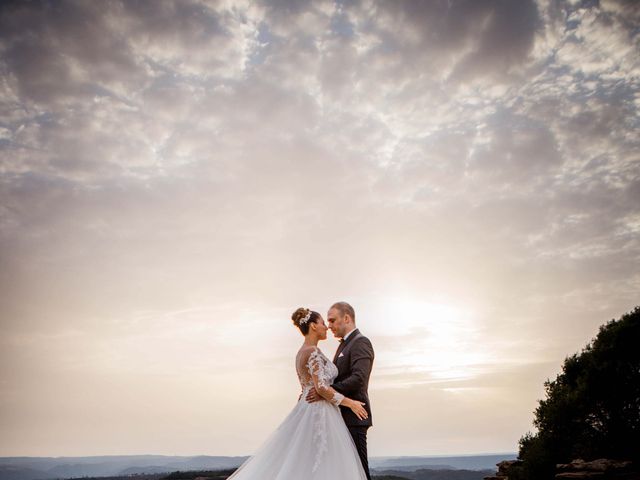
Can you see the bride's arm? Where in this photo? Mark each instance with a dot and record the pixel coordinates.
(325, 390)
(321, 384)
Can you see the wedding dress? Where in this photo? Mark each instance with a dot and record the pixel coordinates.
(312, 442)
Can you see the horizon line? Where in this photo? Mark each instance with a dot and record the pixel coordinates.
(235, 456)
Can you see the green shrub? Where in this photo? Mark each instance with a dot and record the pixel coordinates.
(592, 408)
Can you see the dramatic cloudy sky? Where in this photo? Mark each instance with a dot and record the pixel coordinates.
(177, 177)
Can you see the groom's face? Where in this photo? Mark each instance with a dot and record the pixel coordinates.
(337, 322)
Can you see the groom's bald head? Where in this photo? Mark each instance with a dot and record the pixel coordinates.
(345, 309)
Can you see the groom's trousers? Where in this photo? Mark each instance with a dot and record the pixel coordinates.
(359, 435)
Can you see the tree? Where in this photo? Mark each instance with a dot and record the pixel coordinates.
(592, 408)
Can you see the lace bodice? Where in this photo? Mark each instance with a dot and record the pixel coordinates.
(316, 370)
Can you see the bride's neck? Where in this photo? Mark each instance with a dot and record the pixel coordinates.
(310, 342)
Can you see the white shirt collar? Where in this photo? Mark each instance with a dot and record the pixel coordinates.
(347, 335)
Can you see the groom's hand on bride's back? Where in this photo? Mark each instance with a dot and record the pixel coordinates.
(313, 396)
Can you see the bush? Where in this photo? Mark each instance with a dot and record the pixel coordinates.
(592, 408)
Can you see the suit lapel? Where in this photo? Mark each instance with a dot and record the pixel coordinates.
(344, 344)
(338, 351)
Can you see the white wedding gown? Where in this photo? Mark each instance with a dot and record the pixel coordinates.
(312, 442)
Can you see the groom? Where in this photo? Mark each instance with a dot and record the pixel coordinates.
(354, 359)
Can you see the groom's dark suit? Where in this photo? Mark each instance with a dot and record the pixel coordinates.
(354, 359)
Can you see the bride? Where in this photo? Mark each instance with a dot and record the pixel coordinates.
(312, 442)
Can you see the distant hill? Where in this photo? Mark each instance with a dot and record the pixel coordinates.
(59, 468)
(50, 468)
(436, 474)
(468, 462)
(14, 472)
(388, 477)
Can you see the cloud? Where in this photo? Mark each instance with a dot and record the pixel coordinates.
(172, 171)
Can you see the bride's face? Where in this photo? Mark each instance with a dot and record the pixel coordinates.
(321, 329)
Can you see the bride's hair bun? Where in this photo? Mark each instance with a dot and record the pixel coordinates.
(300, 314)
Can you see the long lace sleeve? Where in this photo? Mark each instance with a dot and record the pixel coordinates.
(321, 380)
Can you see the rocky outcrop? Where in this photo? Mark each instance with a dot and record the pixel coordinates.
(503, 469)
(600, 469)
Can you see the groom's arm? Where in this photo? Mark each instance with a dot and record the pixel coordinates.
(361, 363)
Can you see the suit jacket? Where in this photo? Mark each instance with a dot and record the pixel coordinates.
(354, 370)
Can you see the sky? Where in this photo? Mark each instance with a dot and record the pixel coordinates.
(176, 178)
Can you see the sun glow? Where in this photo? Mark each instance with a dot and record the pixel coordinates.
(424, 342)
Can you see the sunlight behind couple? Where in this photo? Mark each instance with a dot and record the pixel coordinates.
(424, 342)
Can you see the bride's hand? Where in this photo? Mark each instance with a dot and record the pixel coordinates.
(358, 408)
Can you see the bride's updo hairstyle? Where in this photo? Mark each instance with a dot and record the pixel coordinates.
(300, 314)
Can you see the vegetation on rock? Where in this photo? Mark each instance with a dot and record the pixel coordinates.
(592, 408)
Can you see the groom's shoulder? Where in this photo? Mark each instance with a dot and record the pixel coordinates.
(362, 341)
(362, 338)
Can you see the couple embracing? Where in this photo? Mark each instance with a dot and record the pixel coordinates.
(324, 437)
